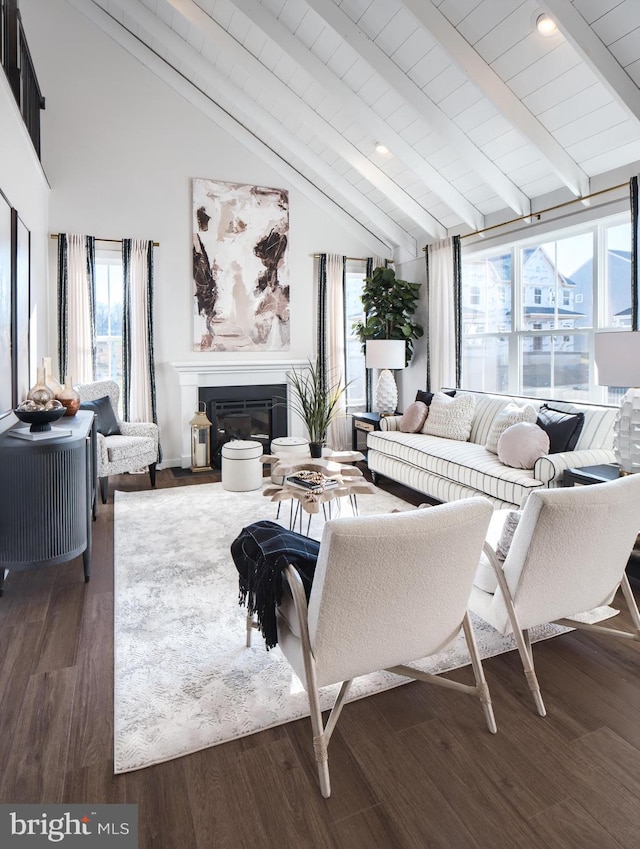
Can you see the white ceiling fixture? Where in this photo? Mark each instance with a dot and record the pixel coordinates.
(433, 117)
(486, 79)
(232, 115)
(591, 49)
(213, 32)
(382, 149)
(545, 25)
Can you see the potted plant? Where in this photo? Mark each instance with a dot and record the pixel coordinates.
(389, 305)
(315, 401)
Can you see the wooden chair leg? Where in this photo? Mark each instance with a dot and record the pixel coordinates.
(478, 672)
(104, 489)
(152, 474)
(319, 743)
(526, 655)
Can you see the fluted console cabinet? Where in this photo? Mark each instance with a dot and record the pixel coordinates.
(47, 497)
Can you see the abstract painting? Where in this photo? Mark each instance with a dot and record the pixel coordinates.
(240, 273)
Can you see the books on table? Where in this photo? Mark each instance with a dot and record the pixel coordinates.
(311, 481)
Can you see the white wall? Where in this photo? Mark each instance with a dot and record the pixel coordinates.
(23, 182)
(414, 377)
(120, 148)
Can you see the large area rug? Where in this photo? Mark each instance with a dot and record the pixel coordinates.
(184, 679)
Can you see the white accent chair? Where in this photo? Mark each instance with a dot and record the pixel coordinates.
(387, 590)
(135, 447)
(568, 556)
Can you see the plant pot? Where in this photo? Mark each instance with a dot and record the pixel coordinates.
(316, 449)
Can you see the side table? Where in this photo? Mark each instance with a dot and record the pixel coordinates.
(363, 423)
(588, 475)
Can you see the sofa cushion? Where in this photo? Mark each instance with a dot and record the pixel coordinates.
(450, 418)
(487, 408)
(562, 427)
(597, 430)
(463, 463)
(121, 448)
(413, 418)
(510, 415)
(427, 397)
(522, 444)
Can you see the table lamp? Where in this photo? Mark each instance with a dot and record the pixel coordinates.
(386, 354)
(617, 357)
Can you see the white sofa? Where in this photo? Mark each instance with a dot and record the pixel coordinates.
(446, 469)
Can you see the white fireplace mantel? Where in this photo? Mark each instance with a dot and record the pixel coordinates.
(193, 374)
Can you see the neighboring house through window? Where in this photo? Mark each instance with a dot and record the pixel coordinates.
(576, 280)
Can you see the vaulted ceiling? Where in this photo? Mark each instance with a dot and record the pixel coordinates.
(480, 114)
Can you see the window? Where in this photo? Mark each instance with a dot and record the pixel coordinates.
(109, 292)
(355, 371)
(568, 284)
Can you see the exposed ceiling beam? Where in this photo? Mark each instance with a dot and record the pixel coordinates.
(228, 118)
(596, 54)
(432, 116)
(347, 99)
(486, 79)
(217, 35)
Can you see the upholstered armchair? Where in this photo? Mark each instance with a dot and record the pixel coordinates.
(122, 446)
(387, 590)
(567, 557)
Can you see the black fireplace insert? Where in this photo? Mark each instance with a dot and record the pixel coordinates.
(244, 412)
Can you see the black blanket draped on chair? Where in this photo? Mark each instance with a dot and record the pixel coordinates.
(260, 552)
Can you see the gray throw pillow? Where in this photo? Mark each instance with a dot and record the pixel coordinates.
(106, 422)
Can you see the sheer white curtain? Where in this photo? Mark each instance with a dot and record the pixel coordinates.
(76, 266)
(139, 401)
(442, 315)
(339, 436)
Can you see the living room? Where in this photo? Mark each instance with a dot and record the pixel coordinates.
(128, 124)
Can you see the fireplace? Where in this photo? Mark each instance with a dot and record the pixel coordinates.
(244, 412)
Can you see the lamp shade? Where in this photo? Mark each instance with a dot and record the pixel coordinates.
(385, 353)
(617, 357)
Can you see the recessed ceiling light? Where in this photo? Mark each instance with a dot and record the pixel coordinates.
(381, 148)
(546, 25)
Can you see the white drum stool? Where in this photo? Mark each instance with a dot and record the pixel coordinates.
(295, 446)
(241, 466)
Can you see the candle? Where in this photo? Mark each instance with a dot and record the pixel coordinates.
(201, 455)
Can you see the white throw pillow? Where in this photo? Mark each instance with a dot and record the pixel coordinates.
(522, 444)
(450, 418)
(512, 414)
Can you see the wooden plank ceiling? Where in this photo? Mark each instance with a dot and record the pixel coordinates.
(479, 112)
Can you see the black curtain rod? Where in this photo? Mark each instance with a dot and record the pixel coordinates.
(98, 239)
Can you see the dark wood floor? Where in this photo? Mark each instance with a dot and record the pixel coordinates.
(413, 767)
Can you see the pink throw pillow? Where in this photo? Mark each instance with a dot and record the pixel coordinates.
(413, 418)
(522, 444)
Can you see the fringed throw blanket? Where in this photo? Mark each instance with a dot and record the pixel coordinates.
(261, 552)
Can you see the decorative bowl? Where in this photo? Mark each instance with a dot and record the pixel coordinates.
(40, 420)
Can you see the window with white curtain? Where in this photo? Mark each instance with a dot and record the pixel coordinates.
(356, 374)
(514, 337)
(108, 304)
